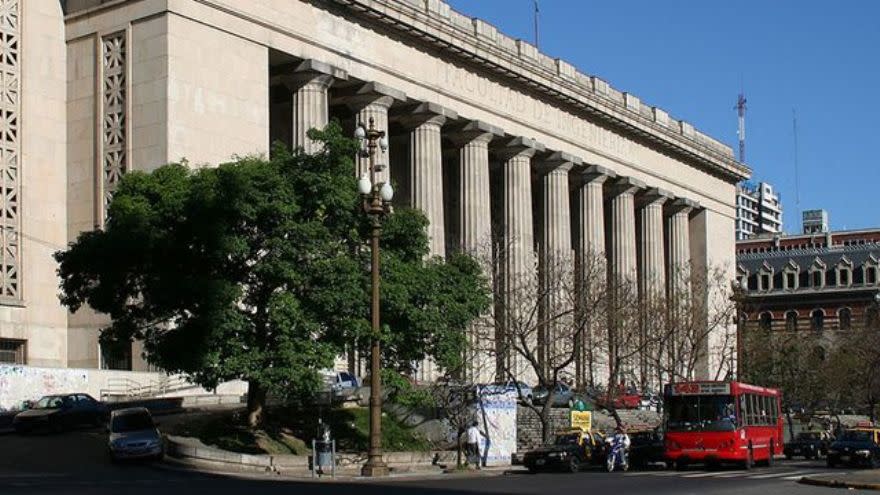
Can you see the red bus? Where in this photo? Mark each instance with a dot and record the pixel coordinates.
(721, 422)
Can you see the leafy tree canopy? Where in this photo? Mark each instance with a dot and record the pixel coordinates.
(259, 270)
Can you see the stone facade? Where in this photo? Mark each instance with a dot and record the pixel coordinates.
(467, 109)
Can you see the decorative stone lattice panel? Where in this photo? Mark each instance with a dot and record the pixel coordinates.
(114, 116)
(10, 150)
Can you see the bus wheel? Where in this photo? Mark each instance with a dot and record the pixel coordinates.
(680, 465)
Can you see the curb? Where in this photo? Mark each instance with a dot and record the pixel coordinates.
(837, 483)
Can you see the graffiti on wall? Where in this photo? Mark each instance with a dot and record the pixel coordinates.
(20, 383)
(497, 411)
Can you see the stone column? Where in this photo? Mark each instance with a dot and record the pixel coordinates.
(652, 284)
(652, 263)
(623, 229)
(517, 249)
(679, 245)
(590, 364)
(475, 206)
(372, 101)
(426, 168)
(475, 230)
(556, 270)
(309, 84)
(623, 272)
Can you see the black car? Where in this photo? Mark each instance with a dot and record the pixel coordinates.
(856, 447)
(60, 412)
(569, 452)
(646, 447)
(809, 444)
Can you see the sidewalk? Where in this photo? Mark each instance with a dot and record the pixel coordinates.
(868, 479)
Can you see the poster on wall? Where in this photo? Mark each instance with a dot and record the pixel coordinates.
(496, 413)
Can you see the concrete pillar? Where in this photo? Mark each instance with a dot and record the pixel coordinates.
(426, 168)
(475, 207)
(372, 101)
(679, 245)
(623, 229)
(556, 267)
(517, 248)
(475, 232)
(591, 362)
(309, 83)
(652, 262)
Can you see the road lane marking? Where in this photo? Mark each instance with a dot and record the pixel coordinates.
(793, 478)
(710, 473)
(779, 475)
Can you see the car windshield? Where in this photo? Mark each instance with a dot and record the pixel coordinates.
(700, 413)
(856, 436)
(131, 422)
(50, 402)
(567, 439)
(809, 436)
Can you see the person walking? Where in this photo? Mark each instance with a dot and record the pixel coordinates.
(473, 444)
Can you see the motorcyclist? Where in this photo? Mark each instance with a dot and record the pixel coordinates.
(620, 440)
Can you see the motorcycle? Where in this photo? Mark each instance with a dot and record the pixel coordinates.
(617, 455)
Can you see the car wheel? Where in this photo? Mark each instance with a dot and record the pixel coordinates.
(830, 462)
(680, 465)
(873, 463)
(56, 425)
(787, 457)
(574, 465)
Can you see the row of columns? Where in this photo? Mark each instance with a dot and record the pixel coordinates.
(632, 255)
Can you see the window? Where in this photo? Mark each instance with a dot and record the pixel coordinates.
(766, 281)
(790, 281)
(13, 351)
(843, 278)
(844, 318)
(817, 320)
(791, 321)
(871, 275)
(872, 316)
(116, 356)
(818, 277)
(765, 320)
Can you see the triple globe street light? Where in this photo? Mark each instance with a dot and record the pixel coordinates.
(377, 204)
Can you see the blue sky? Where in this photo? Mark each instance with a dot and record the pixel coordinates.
(691, 57)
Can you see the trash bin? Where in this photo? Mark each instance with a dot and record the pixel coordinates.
(323, 457)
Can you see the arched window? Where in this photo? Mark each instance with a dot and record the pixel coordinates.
(872, 316)
(765, 320)
(791, 321)
(844, 318)
(817, 320)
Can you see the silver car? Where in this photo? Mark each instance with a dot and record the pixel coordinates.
(133, 435)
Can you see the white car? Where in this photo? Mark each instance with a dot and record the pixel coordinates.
(133, 435)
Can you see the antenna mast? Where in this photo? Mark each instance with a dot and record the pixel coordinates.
(741, 131)
(536, 24)
(797, 188)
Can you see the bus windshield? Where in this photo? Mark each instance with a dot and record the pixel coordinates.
(700, 413)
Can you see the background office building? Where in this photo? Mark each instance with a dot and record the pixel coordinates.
(758, 210)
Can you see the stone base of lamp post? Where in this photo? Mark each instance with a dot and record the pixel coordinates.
(375, 470)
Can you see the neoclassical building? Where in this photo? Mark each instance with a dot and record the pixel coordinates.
(487, 134)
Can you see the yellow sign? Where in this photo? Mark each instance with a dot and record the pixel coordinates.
(582, 420)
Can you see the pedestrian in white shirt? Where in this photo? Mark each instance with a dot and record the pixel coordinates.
(473, 444)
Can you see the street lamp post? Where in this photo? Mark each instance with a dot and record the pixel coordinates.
(377, 204)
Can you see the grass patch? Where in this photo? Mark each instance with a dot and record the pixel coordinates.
(291, 430)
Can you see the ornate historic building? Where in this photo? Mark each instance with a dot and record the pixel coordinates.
(810, 282)
(487, 135)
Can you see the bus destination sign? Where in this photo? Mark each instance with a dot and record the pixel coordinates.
(698, 388)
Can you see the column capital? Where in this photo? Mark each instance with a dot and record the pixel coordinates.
(424, 113)
(371, 93)
(596, 173)
(625, 185)
(519, 146)
(295, 76)
(472, 131)
(654, 195)
(684, 205)
(557, 160)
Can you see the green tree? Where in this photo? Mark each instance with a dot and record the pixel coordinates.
(255, 270)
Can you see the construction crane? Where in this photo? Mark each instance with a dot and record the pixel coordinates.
(741, 131)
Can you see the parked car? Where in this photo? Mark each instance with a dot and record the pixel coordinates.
(563, 395)
(808, 444)
(60, 412)
(132, 434)
(341, 385)
(571, 451)
(856, 447)
(646, 447)
(524, 391)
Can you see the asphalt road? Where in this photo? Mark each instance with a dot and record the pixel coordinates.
(76, 463)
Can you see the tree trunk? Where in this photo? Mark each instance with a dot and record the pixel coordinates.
(458, 462)
(546, 432)
(256, 403)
